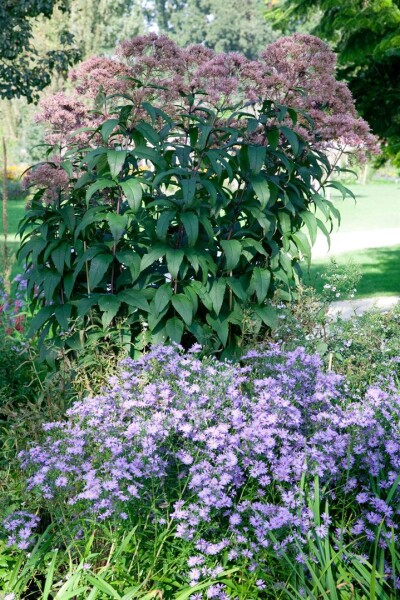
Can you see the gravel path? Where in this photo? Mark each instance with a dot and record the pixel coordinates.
(349, 308)
(348, 242)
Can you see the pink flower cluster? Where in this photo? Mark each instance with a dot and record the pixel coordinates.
(298, 71)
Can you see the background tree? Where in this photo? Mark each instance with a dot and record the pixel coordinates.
(24, 68)
(239, 29)
(366, 36)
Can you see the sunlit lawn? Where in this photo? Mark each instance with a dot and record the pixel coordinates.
(377, 206)
(380, 270)
(15, 211)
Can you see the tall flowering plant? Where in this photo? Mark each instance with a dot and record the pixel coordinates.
(242, 465)
(176, 230)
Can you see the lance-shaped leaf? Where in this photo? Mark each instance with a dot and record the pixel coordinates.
(116, 159)
(191, 224)
(262, 280)
(109, 306)
(117, 224)
(133, 193)
(174, 328)
(216, 294)
(232, 250)
(98, 268)
(162, 297)
(100, 184)
(268, 315)
(183, 306)
(174, 261)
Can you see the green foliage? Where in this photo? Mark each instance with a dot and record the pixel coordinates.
(23, 70)
(364, 348)
(239, 29)
(366, 36)
(174, 231)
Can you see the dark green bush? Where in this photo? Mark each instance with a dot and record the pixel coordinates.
(180, 230)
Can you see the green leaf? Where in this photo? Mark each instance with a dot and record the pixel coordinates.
(268, 314)
(116, 159)
(61, 255)
(303, 244)
(63, 313)
(103, 586)
(130, 259)
(188, 190)
(174, 261)
(51, 280)
(133, 193)
(149, 258)
(98, 268)
(163, 223)
(175, 328)
(261, 189)
(202, 294)
(311, 223)
(232, 250)
(68, 216)
(162, 297)
(220, 326)
(291, 137)
(85, 304)
(107, 128)
(285, 222)
(183, 306)
(237, 288)
(40, 319)
(109, 305)
(325, 231)
(320, 202)
(191, 225)
(262, 280)
(117, 224)
(148, 132)
(273, 137)
(134, 298)
(256, 156)
(100, 184)
(216, 294)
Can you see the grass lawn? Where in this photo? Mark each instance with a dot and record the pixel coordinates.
(380, 271)
(377, 206)
(15, 211)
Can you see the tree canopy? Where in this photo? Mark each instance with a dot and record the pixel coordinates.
(24, 68)
(242, 28)
(366, 36)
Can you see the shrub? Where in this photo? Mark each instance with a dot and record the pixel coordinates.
(364, 348)
(247, 467)
(185, 248)
(13, 357)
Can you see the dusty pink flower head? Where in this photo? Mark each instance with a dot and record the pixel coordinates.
(50, 177)
(298, 71)
(101, 74)
(64, 114)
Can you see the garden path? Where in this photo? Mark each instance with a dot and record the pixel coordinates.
(358, 240)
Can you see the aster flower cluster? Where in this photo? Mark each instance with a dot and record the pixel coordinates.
(20, 527)
(225, 455)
